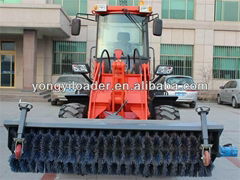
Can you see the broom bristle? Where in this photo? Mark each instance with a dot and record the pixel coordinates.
(114, 152)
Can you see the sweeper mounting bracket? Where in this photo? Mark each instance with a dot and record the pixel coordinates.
(205, 147)
(19, 141)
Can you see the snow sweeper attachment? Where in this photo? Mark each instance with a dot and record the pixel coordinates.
(113, 146)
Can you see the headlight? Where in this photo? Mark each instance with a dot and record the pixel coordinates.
(81, 68)
(164, 70)
(145, 9)
(100, 8)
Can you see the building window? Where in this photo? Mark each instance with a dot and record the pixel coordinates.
(226, 62)
(123, 2)
(7, 63)
(66, 53)
(72, 7)
(10, 1)
(227, 10)
(178, 56)
(177, 9)
(7, 46)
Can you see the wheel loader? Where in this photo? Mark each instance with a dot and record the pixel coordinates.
(116, 131)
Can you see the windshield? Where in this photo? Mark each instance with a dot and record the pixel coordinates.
(179, 80)
(121, 31)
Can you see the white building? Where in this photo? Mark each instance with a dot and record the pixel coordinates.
(201, 38)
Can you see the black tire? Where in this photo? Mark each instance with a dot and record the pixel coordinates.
(219, 99)
(234, 103)
(192, 104)
(54, 103)
(73, 110)
(165, 112)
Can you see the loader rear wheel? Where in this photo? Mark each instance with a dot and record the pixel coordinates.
(73, 110)
(164, 112)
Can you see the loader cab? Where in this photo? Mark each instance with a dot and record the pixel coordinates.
(125, 32)
(122, 27)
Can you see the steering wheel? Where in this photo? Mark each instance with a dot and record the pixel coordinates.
(136, 64)
(128, 62)
(107, 66)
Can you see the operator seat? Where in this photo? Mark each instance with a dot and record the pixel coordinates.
(123, 39)
(123, 42)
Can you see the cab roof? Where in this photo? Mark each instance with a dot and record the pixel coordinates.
(124, 9)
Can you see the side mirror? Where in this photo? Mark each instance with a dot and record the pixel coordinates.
(76, 26)
(221, 87)
(163, 70)
(81, 68)
(157, 27)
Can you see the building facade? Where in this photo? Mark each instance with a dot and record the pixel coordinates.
(201, 38)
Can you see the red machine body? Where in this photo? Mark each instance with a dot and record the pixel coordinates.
(120, 86)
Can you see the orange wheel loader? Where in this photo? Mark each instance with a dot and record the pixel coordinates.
(116, 128)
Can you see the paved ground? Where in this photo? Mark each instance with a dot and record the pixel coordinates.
(223, 114)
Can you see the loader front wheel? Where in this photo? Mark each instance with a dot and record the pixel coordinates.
(73, 110)
(164, 112)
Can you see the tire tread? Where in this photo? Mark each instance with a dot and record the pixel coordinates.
(165, 112)
(72, 110)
